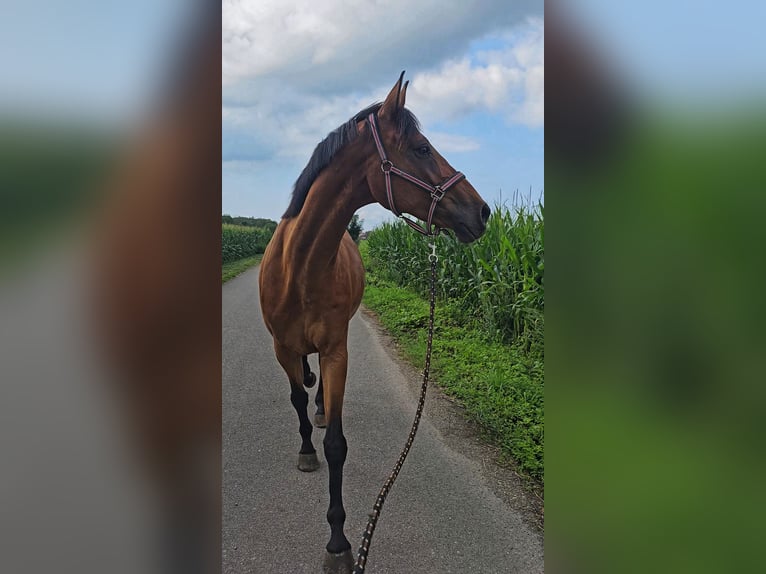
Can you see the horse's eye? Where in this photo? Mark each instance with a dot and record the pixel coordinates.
(423, 151)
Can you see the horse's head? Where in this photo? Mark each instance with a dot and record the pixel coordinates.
(420, 181)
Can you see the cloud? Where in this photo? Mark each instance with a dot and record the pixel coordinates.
(293, 72)
(452, 143)
(274, 118)
(337, 45)
(509, 80)
(374, 215)
(282, 124)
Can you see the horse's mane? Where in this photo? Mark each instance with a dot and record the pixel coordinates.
(326, 150)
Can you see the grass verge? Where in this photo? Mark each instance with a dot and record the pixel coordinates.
(500, 385)
(233, 268)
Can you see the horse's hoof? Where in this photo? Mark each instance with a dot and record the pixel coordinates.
(308, 462)
(342, 563)
(319, 421)
(310, 381)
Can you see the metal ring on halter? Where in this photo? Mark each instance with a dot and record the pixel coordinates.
(437, 193)
(432, 256)
(383, 166)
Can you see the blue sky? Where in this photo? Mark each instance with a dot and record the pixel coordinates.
(292, 74)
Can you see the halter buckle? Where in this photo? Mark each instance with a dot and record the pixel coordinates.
(385, 163)
(437, 193)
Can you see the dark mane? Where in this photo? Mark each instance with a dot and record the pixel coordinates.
(326, 150)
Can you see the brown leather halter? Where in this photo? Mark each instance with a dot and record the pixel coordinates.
(436, 191)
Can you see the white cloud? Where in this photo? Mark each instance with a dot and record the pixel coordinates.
(374, 215)
(508, 80)
(292, 72)
(339, 44)
(452, 143)
(273, 117)
(283, 124)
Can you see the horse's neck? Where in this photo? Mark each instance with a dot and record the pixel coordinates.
(319, 228)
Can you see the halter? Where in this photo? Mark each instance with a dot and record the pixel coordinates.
(436, 191)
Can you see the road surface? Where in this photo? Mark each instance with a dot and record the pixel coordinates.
(449, 511)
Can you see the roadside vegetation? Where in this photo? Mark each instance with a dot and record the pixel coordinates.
(232, 269)
(238, 241)
(488, 350)
(243, 240)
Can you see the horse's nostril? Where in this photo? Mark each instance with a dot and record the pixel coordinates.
(485, 213)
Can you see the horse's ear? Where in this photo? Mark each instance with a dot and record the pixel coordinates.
(390, 107)
(403, 94)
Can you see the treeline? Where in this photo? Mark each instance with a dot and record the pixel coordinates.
(250, 222)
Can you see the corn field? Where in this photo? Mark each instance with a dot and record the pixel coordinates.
(497, 280)
(239, 241)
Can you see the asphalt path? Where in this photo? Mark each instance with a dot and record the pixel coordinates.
(448, 511)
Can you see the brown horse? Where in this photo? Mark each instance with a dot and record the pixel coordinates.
(312, 278)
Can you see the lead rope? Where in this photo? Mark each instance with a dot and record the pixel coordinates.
(361, 559)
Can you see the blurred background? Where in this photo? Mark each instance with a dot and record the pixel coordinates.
(655, 139)
(109, 292)
(110, 253)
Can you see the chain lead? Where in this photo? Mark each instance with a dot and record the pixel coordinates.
(361, 559)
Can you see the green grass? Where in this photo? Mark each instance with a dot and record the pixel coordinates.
(232, 269)
(500, 385)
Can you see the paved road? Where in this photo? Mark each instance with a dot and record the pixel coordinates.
(442, 515)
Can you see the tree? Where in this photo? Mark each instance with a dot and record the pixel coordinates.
(355, 227)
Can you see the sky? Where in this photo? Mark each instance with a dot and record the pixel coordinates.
(88, 61)
(685, 52)
(293, 72)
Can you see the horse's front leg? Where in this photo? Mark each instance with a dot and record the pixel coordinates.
(333, 366)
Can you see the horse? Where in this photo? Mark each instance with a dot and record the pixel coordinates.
(311, 274)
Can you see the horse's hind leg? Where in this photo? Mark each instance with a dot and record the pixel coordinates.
(309, 378)
(319, 418)
(293, 365)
